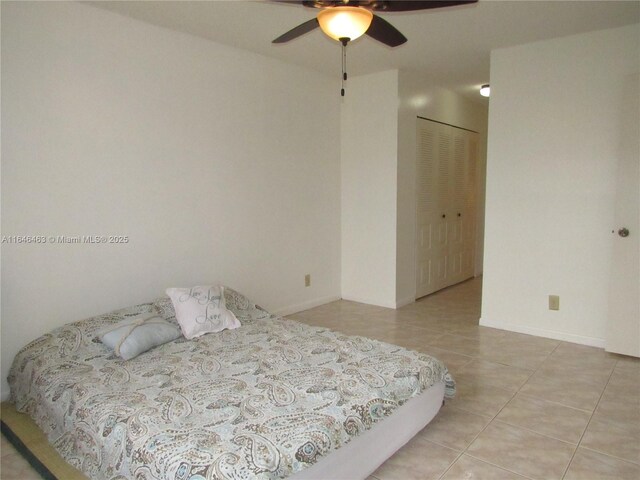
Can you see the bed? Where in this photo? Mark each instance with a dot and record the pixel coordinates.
(274, 398)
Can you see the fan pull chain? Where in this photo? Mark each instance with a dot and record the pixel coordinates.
(344, 42)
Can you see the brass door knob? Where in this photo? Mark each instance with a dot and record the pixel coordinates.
(623, 232)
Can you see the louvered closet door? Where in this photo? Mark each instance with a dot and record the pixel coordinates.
(468, 208)
(455, 207)
(441, 216)
(431, 231)
(426, 200)
(445, 210)
(463, 206)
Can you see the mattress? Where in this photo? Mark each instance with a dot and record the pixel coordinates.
(359, 458)
(271, 399)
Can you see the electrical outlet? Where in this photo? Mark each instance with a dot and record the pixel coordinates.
(307, 280)
(554, 302)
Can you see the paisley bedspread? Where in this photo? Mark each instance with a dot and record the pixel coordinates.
(263, 401)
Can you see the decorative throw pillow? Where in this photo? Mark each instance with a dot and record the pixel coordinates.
(201, 310)
(136, 335)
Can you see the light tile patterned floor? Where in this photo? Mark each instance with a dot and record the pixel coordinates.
(527, 407)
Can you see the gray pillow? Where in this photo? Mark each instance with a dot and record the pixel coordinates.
(136, 335)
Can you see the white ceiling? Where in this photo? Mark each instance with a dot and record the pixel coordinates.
(449, 47)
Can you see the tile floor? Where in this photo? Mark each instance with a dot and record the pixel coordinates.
(526, 407)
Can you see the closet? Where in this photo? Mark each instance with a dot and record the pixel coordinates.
(446, 190)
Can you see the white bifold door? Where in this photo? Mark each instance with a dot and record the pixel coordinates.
(446, 178)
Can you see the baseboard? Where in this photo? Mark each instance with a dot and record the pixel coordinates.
(370, 301)
(394, 304)
(291, 309)
(405, 301)
(543, 332)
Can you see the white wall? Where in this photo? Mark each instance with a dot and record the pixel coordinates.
(369, 188)
(378, 180)
(418, 98)
(206, 157)
(554, 132)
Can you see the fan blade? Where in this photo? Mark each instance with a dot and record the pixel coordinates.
(381, 5)
(384, 32)
(409, 5)
(296, 2)
(298, 31)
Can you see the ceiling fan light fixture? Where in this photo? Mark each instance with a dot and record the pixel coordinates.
(344, 22)
(485, 90)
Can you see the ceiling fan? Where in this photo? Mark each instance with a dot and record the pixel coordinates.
(346, 20)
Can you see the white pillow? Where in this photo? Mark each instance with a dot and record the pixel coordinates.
(201, 310)
(136, 335)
